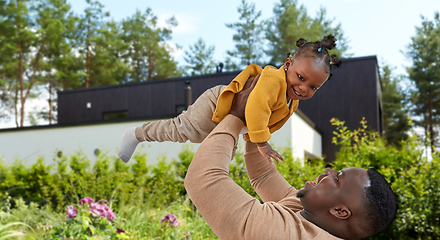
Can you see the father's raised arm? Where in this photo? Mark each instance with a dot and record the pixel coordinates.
(267, 182)
(224, 205)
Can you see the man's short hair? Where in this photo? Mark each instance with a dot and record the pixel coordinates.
(380, 202)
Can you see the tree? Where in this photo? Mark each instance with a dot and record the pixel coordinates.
(394, 114)
(247, 40)
(8, 64)
(56, 18)
(200, 58)
(424, 50)
(148, 54)
(107, 66)
(88, 27)
(291, 22)
(21, 45)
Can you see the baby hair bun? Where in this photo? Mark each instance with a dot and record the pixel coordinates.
(335, 61)
(300, 42)
(328, 42)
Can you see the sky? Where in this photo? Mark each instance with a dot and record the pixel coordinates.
(382, 28)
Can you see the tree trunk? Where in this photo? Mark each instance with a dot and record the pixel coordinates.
(16, 107)
(50, 99)
(64, 70)
(31, 82)
(431, 128)
(385, 126)
(20, 79)
(88, 54)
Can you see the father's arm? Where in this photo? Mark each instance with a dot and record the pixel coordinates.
(267, 182)
(224, 205)
(230, 211)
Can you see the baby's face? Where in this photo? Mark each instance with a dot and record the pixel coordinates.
(304, 77)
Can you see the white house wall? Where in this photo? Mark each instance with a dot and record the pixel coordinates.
(29, 145)
(305, 140)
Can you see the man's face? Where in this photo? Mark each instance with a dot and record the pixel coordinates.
(334, 188)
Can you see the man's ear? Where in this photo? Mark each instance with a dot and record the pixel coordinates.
(341, 212)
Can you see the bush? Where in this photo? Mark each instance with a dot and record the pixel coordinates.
(74, 178)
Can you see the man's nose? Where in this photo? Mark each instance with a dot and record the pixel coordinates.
(329, 171)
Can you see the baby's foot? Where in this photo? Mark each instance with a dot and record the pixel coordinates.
(128, 144)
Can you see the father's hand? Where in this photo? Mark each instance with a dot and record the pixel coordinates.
(240, 99)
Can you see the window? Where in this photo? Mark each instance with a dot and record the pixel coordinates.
(115, 115)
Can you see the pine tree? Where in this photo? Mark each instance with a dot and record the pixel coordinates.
(88, 29)
(106, 64)
(148, 54)
(248, 47)
(424, 50)
(394, 111)
(291, 22)
(8, 63)
(55, 17)
(21, 44)
(200, 58)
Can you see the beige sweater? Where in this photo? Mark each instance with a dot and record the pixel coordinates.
(228, 209)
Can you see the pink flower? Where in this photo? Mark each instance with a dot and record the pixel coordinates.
(103, 200)
(86, 200)
(102, 210)
(172, 218)
(97, 210)
(71, 211)
(188, 236)
(118, 230)
(111, 216)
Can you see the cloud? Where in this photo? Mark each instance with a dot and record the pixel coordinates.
(174, 50)
(186, 24)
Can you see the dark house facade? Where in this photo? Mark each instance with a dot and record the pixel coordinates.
(353, 92)
(134, 101)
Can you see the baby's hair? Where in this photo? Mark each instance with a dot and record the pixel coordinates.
(318, 51)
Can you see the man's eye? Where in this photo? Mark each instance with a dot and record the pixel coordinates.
(300, 77)
(337, 177)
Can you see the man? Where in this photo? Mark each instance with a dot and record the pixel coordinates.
(352, 203)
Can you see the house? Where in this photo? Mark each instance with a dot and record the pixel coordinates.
(93, 120)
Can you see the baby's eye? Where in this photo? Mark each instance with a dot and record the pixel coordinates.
(313, 87)
(300, 77)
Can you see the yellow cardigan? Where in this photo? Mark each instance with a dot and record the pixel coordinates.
(266, 109)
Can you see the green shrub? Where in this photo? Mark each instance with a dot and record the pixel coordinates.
(74, 178)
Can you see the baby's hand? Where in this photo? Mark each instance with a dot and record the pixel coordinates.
(267, 151)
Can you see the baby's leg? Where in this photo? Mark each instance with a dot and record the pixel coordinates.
(128, 144)
(194, 125)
